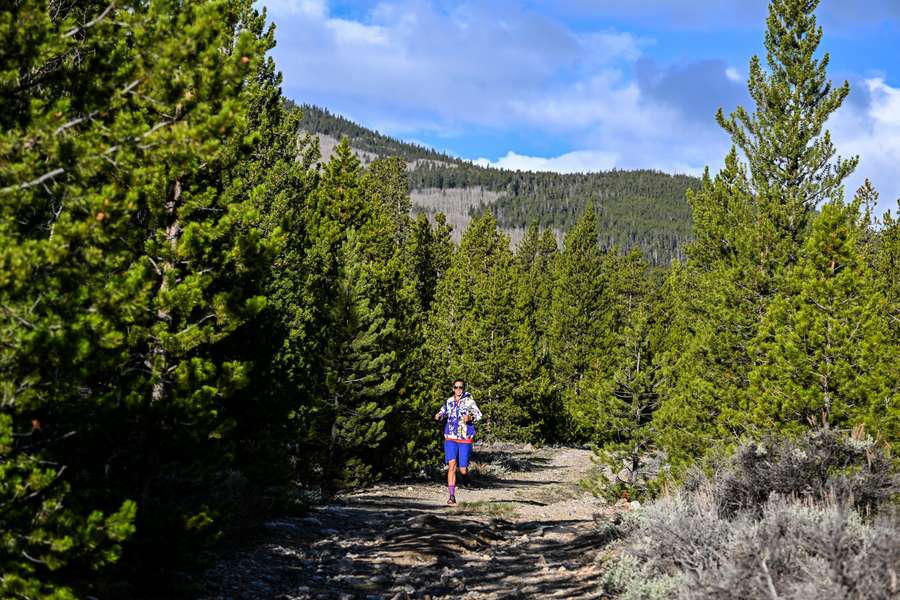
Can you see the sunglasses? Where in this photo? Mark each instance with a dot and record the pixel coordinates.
(457, 387)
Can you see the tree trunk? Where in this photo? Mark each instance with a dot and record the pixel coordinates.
(158, 354)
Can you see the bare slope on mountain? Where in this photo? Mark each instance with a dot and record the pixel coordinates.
(643, 208)
(525, 529)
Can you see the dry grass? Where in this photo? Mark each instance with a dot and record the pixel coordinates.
(498, 510)
(809, 519)
(550, 494)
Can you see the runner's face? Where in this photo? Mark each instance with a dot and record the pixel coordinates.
(458, 389)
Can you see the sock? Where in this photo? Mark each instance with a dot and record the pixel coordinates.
(452, 490)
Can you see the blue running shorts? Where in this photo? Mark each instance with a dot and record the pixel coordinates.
(458, 451)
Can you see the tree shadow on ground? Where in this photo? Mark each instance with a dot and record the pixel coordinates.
(402, 547)
(420, 551)
(386, 544)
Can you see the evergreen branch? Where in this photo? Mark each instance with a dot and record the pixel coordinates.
(60, 170)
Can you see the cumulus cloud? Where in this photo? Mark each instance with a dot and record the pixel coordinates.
(582, 161)
(309, 8)
(836, 15)
(871, 130)
(410, 67)
(472, 64)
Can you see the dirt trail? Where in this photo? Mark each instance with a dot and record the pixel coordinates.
(523, 529)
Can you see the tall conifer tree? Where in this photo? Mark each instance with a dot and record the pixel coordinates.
(131, 246)
(359, 371)
(581, 330)
(750, 225)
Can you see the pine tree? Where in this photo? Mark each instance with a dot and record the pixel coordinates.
(824, 355)
(423, 267)
(629, 395)
(131, 248)
(528, 248)
(542, 283)
(716, 317)
(789, 155)
(540, 417)
(887, 268)
(427, 255)
(581, 331)
(358, 372)
(749, 227)
(387, 178)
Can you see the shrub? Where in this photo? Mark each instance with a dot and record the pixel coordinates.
(750, 531)
(818, 466)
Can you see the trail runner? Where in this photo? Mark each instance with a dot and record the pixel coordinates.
(461, 413)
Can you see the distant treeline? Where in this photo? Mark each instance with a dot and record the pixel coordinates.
(320, 120)
(635, 209)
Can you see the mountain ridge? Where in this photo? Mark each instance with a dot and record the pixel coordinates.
(641, 208)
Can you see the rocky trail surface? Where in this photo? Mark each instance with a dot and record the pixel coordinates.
(524, 528)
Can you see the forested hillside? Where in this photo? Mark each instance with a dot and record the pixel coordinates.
(635, 209)
(205, 324)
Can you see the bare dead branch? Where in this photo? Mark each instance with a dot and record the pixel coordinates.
(769, 582)
(33, 182)
(91, 23)
(74, 122)
(34, 560)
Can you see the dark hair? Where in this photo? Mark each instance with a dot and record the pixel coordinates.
(462, 381)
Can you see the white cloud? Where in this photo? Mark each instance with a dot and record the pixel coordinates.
(316, 9)
(352, 33)
(872, 131)
(410, 66)
(438, 66)
(581, 161)
(886, 103)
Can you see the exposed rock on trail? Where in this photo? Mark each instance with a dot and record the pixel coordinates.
(523, 529)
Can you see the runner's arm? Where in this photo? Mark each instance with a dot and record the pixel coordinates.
(474, 412)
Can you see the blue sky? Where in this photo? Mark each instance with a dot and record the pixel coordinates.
(579, 85)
